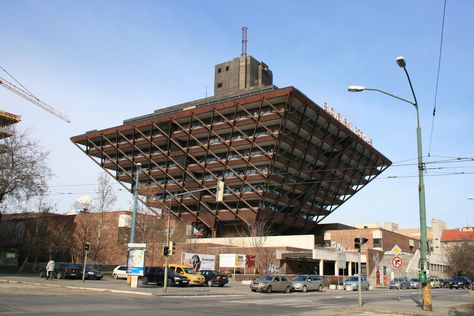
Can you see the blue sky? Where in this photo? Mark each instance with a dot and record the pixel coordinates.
(101, 62)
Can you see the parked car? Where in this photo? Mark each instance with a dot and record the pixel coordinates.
(92, 273)
(271, 283)
(354, 282)
(415, 283)
(305, 282)
(152, 275)
(399, 283)
(444, 283)
(460, 282)
(434, 283)
(120, 272)
(214, 278)
(157, 275)
(64, 270)
(188, 272)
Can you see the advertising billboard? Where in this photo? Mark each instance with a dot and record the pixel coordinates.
(200, 261)
(231, 260)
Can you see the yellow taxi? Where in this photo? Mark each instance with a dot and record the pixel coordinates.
(188, 272)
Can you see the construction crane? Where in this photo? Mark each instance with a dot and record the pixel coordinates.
(33, 99)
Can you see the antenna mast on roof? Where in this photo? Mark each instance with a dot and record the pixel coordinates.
(244, 41)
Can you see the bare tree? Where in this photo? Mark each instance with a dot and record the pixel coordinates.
(461, 259)
(258, 234)
(23, 169)
(106, 199)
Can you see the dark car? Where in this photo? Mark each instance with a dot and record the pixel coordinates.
(64, 270)
(92, 273)
(214, 278)
(460, 282)
(444, 283)
(157, 275)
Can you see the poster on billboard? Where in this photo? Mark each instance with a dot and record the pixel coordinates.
(135, 262)
(231, 260)
(200, 261)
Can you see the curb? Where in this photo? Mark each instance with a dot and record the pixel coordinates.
(78, 287)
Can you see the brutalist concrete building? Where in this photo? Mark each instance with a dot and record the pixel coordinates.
(284, 159)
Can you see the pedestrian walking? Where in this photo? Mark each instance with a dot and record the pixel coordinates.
(50, 269)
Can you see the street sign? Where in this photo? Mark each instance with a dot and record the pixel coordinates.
(341, 260)
(397, 262)
(396, 250)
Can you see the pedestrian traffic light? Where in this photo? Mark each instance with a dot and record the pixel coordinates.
(172, 248)
(87, 246)
(165, 250)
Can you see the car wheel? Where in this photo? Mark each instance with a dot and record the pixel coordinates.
(305, 289)
(469, 286)
(115, 276)
(59, 275)
(269, 289)
(209, 283)
(221, 285)
(367, 287)
(287, 289)
(144, 281)
(320, 288)
(253, 290)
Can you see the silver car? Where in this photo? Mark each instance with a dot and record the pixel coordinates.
(271, 283)
(307, 282)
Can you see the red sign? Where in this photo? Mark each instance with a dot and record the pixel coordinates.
(397, 262)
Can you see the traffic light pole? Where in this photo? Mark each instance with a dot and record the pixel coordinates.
(165, 281)
(219, 198)
(359, 273)
(86, 250)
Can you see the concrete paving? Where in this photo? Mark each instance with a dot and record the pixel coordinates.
(376, 302)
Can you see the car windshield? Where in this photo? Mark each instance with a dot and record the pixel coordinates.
(353, 279)
(300, 278)
(266, 278)
(189, 270)
(414, 280)
(72, 266)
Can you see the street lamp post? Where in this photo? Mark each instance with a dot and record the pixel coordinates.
(426, 291)
(135, 202)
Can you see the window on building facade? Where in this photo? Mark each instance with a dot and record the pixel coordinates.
(123, 236)
(377, 242)
(219, 85)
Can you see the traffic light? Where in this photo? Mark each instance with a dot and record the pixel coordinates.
(172, 248)
(165, 250)
(358, 242)
(87, 246)
(220, 191)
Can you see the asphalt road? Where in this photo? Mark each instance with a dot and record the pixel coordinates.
(36, 299)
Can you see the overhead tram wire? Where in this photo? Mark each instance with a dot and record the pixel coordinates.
(437, 78)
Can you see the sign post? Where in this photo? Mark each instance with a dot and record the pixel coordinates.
(397, 263)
